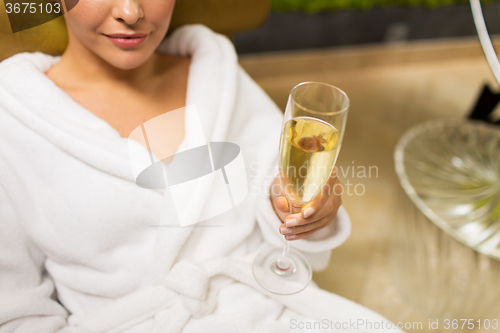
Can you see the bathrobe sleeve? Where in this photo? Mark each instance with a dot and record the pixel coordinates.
(257, 128)
(26, 291)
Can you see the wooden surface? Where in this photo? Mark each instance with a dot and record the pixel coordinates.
(392, 88)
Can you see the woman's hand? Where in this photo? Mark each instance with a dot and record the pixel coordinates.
(314, 216)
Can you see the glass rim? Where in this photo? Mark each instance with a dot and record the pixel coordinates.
(343, 110)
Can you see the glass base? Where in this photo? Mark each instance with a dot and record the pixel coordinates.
(283, 278)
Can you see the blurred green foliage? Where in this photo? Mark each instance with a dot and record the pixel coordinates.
(312, 6)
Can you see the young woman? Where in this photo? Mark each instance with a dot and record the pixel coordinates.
(81, 245)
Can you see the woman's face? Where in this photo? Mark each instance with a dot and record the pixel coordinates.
(124, 33)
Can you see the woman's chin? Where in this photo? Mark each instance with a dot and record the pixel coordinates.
(130, 60)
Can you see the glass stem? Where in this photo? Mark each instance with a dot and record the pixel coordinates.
(284, 263)
(286, 251)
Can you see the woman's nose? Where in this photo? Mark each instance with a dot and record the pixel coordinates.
(128, 11)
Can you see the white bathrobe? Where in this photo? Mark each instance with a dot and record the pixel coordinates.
(84, 249)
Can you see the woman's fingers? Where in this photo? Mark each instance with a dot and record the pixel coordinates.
(318, 225)
(279, 202)
(290, 233)
(332, 189)
(299, 236)
(320, 207)
(316, 215)
(282, 204)
(314, 206)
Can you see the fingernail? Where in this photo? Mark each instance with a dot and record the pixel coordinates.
(291, 223)
(285, 231)
(308, 212)
(290, 236)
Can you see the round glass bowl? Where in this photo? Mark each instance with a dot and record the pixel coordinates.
(446, 244)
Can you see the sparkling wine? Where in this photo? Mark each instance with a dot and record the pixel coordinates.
(309, 149)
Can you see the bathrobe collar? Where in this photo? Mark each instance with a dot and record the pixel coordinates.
(35, 100)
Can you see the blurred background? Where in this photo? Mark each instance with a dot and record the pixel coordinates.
(305, 24)
(402, 63)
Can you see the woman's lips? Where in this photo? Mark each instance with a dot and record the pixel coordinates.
(126, 40)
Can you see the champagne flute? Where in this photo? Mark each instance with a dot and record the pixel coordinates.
(313, 128)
